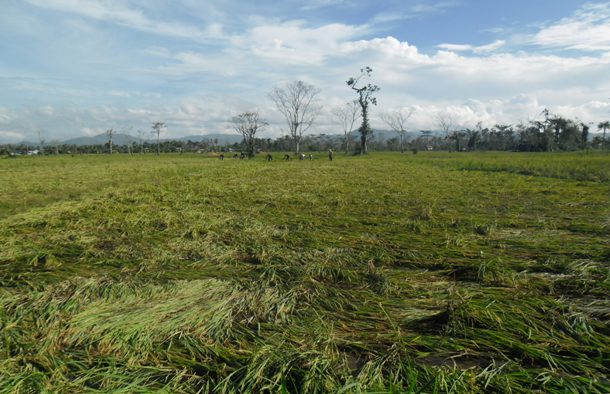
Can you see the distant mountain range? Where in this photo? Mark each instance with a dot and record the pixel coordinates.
(223, 139)
(124, 139)
(384, 135)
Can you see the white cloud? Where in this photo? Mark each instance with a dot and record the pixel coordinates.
(316, 4)
(295, 43)
(513, 110)
(90, 132)
(584, 111)
(203, 88)
(446, 74)
(157, 51)
(192, 115)
(134, 94)
(412, 12)
(496, 88)
(119, 93)
(587, 30)
(470, 112)
(47, 110)
(429, 7)
(472, 48)
(5, 115)
(11, 136)
(286, 44)
(119, 13)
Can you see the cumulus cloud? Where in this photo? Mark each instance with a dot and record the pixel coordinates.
(446, 75)
(295, 43)
(188, 116)
(472, 48)
(401, 69)
(468, 113)
(204, 86)
(512, 110)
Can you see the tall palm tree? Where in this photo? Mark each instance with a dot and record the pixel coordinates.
(604, 126)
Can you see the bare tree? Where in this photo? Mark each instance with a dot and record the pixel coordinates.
(109, 133)
(446, 122)
(41, 141)
(157, 126)
(297, 103)
(141, 140)
(55, 143)
(365, 97)
(347, 115)
(127, 132)
(248, 124)
(397, 120)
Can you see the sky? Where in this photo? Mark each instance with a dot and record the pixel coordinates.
(71, 68)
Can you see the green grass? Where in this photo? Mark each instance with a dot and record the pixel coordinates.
(435, 272)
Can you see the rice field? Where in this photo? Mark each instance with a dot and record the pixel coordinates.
(429, 273)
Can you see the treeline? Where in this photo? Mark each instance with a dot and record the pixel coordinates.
(554, 133)
(283, 144)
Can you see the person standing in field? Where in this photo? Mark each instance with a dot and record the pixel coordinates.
(330, 154)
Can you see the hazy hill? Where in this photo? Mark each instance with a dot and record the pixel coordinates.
(123, 139)
(100, 139)
(222, 138)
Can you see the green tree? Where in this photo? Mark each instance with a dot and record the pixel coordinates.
(584, 138)
(456, 136)
(547, 128)
(604, 126)
(474, 135)
(365, 97)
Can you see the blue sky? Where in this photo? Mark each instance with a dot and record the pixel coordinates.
(78, 67)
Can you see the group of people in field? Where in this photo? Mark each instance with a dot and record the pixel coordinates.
(287, 157)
